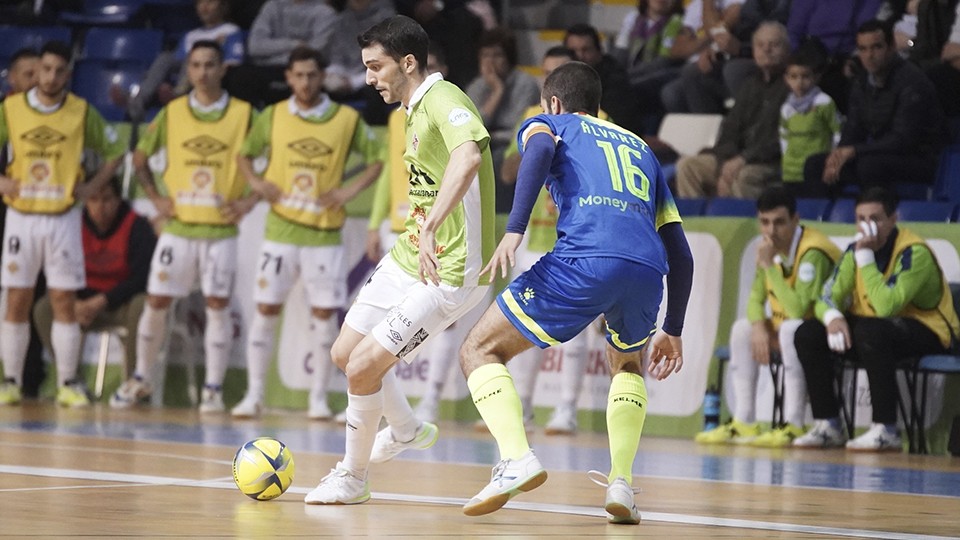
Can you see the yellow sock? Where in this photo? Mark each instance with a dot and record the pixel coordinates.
(496, 398)
(626, 411)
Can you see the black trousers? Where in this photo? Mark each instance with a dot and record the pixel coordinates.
(868, 170)
(879, 346)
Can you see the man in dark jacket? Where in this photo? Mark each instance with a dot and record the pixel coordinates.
(117, 247)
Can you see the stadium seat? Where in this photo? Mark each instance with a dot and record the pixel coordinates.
(691, 207)
(813, 209)
(926, 210)
(842, 211)
(14, 38)
(731, 207)
(688, 134)
(120, 44)
(97, 82)
(104, 13)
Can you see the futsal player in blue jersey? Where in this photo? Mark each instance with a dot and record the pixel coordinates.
(617, 232)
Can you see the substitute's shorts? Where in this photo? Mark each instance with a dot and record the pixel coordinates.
(401, 313)
(178, 260)
(51, 241)
(322, 268)
(558, 297)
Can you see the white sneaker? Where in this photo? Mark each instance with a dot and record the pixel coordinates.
(133, 391)
(249, 407)
(339, 487)
(385, 447)
(823, 435)
(620, 506)
(876, 439)
(427, 410)
(510, 477)
(211, 399)
(318, 409)
(563, 421)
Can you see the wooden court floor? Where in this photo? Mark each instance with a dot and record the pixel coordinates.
(100, 473)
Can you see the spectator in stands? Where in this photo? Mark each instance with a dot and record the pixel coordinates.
(809, 122)
(835, 25)
(501, 93)
(167, 76)
(746, 158)
(22, 72)
(894, 127)
(705, 43)
(643, 46)
(456, 27)
(280, 27)
(117, 245)
(793, 262)
(617, 99)
(345, 77)
(937, 49)
(887, 301)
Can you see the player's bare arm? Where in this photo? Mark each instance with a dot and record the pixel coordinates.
(461, 171)
(164, 205)
(264, 188)
(9, 187)
(336, 198)
(99, 180)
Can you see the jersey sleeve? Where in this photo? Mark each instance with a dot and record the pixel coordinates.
(154, 136)
(101, 137)
(909, 283)
(666, 206)
(258, 139)
(532, 126)
(367, 143)
(456, 119)
(757, 300)
(4, 131)
(838, 288)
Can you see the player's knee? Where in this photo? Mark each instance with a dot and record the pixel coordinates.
(321, 313)
(269, 310)
(159, 302)
(217, 303)
(340, 354)
(362, 375)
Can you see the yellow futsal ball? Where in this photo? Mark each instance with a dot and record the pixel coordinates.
(263, 468)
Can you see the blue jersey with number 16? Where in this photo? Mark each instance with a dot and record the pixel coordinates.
(608, 188)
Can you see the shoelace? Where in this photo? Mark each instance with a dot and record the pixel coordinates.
(600, 479)
(496, 474)
(337, 474)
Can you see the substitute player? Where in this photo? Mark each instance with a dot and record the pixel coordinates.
(431, 277)
(48, 129)
(608, 260)
(307, 139)
(202, 132)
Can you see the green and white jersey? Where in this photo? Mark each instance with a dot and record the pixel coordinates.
(439, 119)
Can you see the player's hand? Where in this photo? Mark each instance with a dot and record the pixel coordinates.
(268, 190)
(9, 187)
(666, 355)
(235, 210)
(867, 236)
(334, 199)
(504, 257)
(428, 261)
(835, 162)
(165, 207)
(765, 252)
(760, 342)
(88, 309)
(838, 335)
(82, 190)
(374, 252)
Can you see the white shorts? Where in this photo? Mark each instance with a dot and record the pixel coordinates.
(51, 241)
(402, 313)
(177, 261)
(322, 269)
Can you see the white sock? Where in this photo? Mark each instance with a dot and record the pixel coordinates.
(397, 410)
(151, 331)
(65, 339)
(216, 345)
(524, 368)
(260, 341)
(363, 420)
(743, 371)
(14, 340)
(323, 332)
(443, 352)
(794, 384)
(573, 371)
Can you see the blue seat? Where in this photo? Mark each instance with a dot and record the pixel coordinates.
(14, 38)
(813, 209)
(121, 44)
(731, 207)
(926, 210)
(104, 13)
(691, 207)
(97, 82)
(842, 211)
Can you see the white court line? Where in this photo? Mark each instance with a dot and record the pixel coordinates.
(127, 452)
(685, 519)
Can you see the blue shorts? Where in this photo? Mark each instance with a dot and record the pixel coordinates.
(559, 297)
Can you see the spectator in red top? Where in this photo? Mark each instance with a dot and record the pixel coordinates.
(117, 247)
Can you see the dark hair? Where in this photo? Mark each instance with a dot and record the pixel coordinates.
(558, 51)
(399, 36)
(208, 44)
(643, 6)
(583, 29)
(57, 48)
(436, 50)
(576, 85)
(503, 38)
(876, 25)
(26, 52)
(811, 53)
(302, 53)
(879, 194)
(775, 197)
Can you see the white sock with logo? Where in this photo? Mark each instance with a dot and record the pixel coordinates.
(14, 340)
(216, 345)
(397, 410)
(151, 331)
(260, 342)
(65, 340)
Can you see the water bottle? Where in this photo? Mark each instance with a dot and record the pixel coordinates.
(711, 408)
